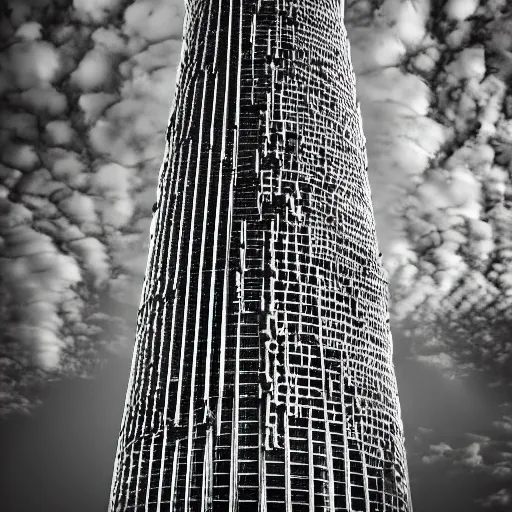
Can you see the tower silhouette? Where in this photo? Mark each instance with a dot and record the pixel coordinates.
(262, 377)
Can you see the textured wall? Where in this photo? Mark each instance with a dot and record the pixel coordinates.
(262, 376)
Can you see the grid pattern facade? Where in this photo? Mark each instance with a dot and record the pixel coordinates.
(262, 377)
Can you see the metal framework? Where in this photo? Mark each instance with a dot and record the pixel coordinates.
(262, 377)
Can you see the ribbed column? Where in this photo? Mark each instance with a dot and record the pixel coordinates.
(262, 377)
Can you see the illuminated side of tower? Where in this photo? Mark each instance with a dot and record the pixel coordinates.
(262, 377)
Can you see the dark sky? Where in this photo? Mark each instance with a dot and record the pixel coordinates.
(60, 458)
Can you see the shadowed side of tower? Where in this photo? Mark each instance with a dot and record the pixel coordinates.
(262, 377)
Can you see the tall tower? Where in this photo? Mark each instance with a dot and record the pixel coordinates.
(262, 377)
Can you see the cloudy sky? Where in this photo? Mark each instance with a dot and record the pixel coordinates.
(85, 92)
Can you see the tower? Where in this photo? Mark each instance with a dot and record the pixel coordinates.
(262, 377)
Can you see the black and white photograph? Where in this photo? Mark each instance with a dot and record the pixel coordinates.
(256, 256)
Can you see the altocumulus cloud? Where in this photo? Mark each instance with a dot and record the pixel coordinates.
(450, 264)
(85, 91)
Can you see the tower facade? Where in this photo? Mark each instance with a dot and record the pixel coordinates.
(262, 377)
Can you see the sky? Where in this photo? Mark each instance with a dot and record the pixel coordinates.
(85, 92)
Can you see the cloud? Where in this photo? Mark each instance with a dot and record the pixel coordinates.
(154, 20)
(94, 71)
(460, 10)
(96, 11)
(441, 360)
(487, 456)
(505, 424)
(437, 452)
(29, 64)
(501, 498)
(440, 147)
(468, 457)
